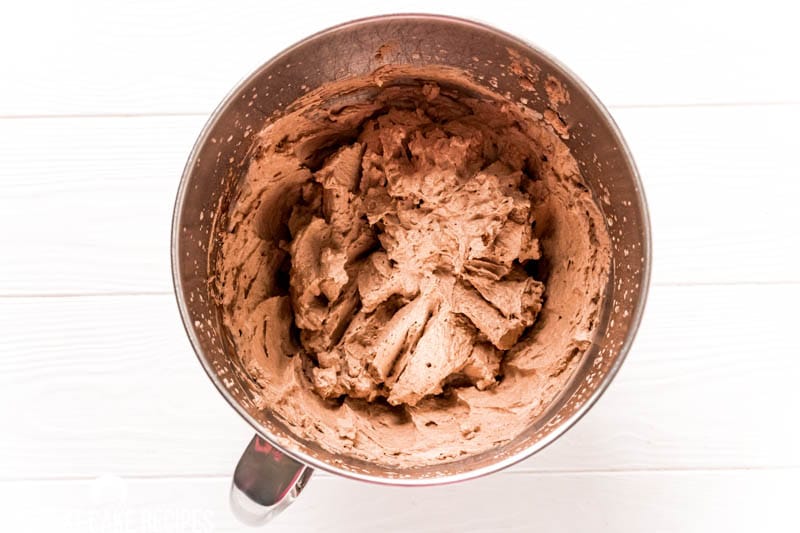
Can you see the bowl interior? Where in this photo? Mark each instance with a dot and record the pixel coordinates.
(493, 59)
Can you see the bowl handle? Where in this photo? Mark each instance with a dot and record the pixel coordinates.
(265, 482)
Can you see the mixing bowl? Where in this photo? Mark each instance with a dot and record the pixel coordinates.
(277, 464)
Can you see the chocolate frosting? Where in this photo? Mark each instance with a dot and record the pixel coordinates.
(411, 267)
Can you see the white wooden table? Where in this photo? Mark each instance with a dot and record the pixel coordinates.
(109, 424)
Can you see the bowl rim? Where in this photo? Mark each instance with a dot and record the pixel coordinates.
(506, 462)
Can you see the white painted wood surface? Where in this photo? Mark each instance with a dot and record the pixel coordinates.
(109, 423)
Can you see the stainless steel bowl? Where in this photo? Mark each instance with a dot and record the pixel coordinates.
(357, 48)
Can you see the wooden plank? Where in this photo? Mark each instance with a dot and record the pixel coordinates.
(156, 57)
(721, 189)
(618, 502)
(109, 384)
(87, 202)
